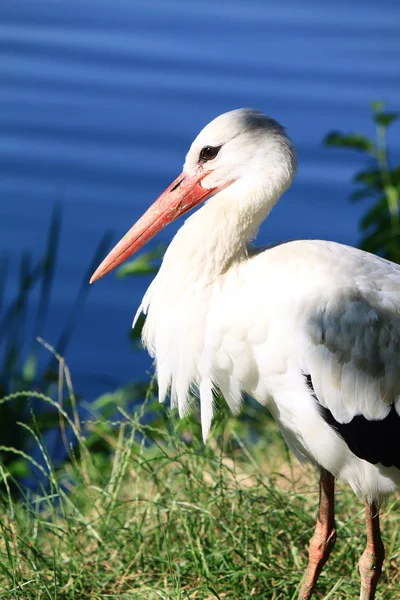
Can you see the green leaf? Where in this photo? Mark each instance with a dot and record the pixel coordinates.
(394, 175)
(147, 263)
(355, 141)
(29, 369)
(106, 400)
(377, 105)
(19, 468)
(375, 214)
(139, 266)
(371, 178)
(392, 196)
(386, 118)
(379, 239)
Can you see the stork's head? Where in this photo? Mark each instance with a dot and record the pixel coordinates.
(243, 150)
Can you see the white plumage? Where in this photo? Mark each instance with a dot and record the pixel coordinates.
(221, 316)
(305, 307)
(302, 327)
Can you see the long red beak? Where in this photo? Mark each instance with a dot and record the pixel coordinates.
(181, 196)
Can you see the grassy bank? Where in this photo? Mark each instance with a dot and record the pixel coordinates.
(164, 517)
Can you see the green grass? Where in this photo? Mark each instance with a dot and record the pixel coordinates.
(162, 516)
(25, 299)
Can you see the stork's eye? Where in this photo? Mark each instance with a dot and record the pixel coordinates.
(208, 153)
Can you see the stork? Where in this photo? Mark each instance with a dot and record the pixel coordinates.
(309, 328)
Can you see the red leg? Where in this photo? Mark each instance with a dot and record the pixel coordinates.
(324, 537)
(370, 564)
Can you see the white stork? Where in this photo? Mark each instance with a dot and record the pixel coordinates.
(309, 328)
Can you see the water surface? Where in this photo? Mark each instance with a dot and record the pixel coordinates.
(100, 100)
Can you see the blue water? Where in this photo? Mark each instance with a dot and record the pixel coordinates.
(100, 100)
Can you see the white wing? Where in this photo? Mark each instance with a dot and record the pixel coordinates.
(353, 339)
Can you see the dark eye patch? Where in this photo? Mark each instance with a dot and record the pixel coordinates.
(208, 153)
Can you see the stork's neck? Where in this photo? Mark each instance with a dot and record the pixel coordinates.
(212, 242)
(215, 237)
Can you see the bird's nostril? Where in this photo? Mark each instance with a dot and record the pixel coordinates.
(176, 185)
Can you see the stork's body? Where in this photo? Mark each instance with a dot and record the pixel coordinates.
(309, 328)
(272, 323)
